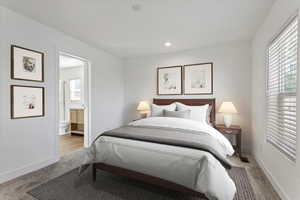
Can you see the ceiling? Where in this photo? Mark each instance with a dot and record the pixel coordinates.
(67, 62)
(131, 28)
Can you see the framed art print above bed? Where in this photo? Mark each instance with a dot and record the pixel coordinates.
(27, 64)
(27, 101)
(169, 80)
(198, 79)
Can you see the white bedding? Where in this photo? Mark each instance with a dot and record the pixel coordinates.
(189, 125)
(195, 169)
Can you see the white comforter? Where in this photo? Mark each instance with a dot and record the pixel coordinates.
(180, 123)
(195, 169)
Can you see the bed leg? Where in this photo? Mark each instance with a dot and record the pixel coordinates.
(94, 172)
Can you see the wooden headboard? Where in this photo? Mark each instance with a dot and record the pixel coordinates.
(192, 102)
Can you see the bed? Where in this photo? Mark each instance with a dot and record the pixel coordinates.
(187, 168)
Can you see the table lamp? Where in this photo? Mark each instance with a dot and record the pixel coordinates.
(227, 108)
(143, 107)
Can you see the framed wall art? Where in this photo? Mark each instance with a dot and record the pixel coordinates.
(169, 80)
(27, 64)
(27, 101)
(198, 79)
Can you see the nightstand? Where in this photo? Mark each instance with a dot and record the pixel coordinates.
(237, 132)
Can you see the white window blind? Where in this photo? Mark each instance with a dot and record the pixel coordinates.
(281, 90)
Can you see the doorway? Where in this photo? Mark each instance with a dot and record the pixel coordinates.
(73, 117)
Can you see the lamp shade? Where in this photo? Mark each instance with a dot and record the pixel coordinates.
(143, 106)
(227, 108)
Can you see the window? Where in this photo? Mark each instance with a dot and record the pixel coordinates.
(75, 90)
(281, 90)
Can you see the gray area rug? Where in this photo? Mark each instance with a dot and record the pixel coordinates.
(110, 187)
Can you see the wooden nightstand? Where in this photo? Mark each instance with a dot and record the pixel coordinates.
(237, 132)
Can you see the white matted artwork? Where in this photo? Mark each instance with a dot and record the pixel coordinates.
(27, 64)
(169, 80)
(27, 101)
(198, 79)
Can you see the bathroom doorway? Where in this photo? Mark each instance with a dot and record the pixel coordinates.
(73, 103)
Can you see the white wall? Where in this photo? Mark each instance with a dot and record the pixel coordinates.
(28, 144)
(232, 79)
(284, 174)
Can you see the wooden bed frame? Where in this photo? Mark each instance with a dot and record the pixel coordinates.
(151, 179)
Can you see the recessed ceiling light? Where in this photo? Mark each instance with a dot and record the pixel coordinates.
(168, 44)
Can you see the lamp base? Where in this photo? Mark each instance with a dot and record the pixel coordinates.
(227, 120)
(143, 115)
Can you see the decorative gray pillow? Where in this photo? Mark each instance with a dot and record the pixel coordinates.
(158, 111)
(186, 114)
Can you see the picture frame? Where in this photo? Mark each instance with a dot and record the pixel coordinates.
(198, 79)
(27, 64)
(27, 101)
(169, 80)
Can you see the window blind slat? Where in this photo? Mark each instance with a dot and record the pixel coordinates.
(284, 130)
(293, 26)
(286, 144)
(274, 120)
(289, 153)
(281, 90)
(282, 146)
(292, 45)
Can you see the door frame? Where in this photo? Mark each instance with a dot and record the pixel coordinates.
(87, 98)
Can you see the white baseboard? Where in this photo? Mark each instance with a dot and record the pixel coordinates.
(64, 133)
(77, 132)
(273, 181)
(7, 176)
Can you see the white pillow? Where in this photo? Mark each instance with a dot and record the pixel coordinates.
(198, 113)
(158, 111)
